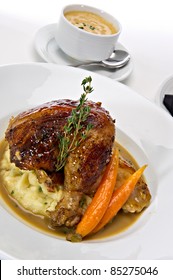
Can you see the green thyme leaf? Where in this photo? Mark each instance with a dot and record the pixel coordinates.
(92, 27)
(40, 189)
(74, 130)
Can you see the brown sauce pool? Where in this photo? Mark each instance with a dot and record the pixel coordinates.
(121, 222)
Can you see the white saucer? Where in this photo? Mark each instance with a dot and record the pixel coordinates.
(48, 49)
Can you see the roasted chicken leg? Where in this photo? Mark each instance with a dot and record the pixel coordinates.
(33, 141)
(33, 138)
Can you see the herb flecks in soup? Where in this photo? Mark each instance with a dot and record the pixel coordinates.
(90, 22)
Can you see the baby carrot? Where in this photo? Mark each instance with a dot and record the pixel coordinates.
(119, 197)
(101, 199)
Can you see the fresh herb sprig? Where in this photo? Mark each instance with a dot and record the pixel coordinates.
(74, 130)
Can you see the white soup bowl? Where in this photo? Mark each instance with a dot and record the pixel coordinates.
(83, 45)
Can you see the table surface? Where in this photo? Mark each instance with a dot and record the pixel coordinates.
(147, 32)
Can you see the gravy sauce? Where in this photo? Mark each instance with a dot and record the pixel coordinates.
(120, 223)
(90, 22)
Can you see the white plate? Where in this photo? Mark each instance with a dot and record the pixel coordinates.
(48, 49)
(150, 140)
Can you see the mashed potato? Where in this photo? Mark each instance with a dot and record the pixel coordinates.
(24, 187)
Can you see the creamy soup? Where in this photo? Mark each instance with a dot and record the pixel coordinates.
(30, 200)
(91, 22)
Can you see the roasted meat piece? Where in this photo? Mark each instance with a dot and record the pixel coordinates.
(33, 138)
(140, 197)
(68, 211)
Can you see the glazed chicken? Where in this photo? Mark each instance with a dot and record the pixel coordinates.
(33, 138)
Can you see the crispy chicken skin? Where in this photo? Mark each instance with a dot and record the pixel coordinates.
(33, 138)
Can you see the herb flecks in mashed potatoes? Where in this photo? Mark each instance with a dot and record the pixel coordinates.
(25, 188)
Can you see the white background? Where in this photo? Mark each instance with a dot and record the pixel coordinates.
(147, 33)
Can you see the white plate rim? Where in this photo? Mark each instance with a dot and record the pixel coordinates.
(84, 248)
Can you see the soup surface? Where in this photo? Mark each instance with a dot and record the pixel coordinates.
(90, 22)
